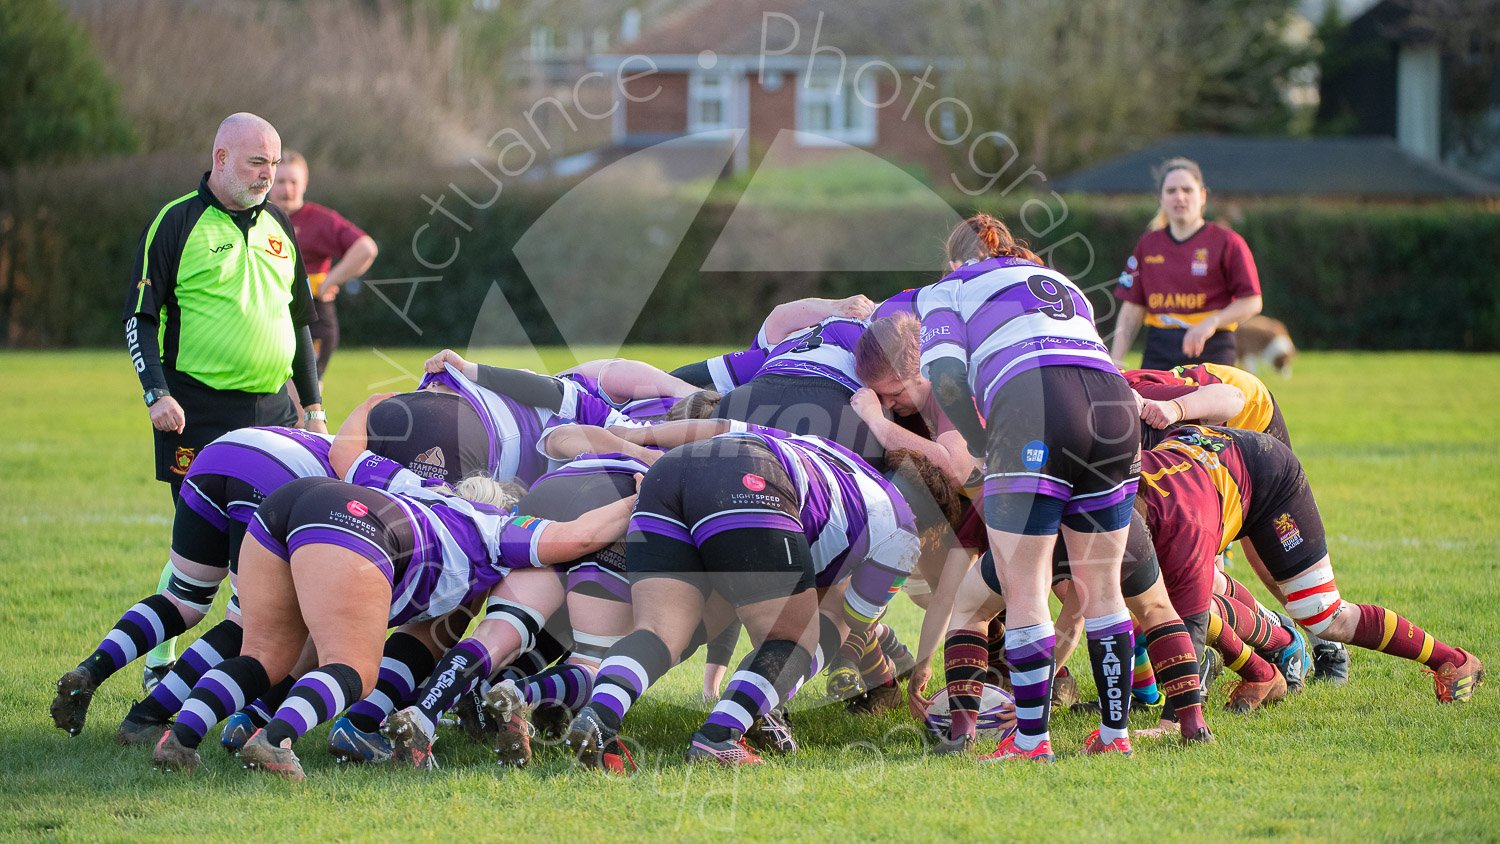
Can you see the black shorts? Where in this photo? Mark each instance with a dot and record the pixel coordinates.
(1277, 426)
(1164, 349)
(600, 574)
(1282, 521)
(803, 405)
(1062, 450)
(208, 543)
(1139, 570)
(431, 432)
(723, 515)
(212, 414)
(329, 511)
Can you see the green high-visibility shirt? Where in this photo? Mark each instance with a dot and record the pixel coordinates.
(227, 288)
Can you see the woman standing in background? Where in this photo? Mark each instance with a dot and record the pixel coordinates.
(1190, 281)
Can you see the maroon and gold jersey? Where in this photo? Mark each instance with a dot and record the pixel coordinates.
(1160, 385)
(1179, 283)
(323, 236)
(1196, 487)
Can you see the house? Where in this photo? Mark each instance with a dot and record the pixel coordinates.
(839, 75)
(1423, 73)
(1368, 168)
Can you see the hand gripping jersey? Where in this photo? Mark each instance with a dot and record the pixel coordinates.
(462, 548)
(1162, 385)
(515, 430)
(825, 350)
(1003, 316)
(263, 459)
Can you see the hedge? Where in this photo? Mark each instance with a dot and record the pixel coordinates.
(1341, 276)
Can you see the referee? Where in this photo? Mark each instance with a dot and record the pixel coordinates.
(217, 316)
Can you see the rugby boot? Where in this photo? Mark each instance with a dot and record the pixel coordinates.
(1064, 689)
(880, 699)
(1202, 735)
(473, 719)
(411, 739)
(510, 736)
(238, 729)
(348, 743)
(1007, 750)
(1291, 660)
(1095, 745)
(140, 731)
(730, 753)
(772, 732)
(595, 747)
(1209, 669)
(259, 754)
(945, 746)
(152, 675)
(1330, 663)
(844, 683)
(1456, 683)
(172, 755)
(70, 707)
(551, 720)
(1247, 696)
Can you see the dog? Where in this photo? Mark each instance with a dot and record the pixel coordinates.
(1264, 342)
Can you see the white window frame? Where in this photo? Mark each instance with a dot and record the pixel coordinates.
(842, 101)
(702, 90)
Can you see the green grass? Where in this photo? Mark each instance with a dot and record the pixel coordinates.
(1400, 449)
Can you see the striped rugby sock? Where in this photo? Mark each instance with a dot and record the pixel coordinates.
(767, 676)
(1380, 629)
(1143, 678)
(628, 670)
(965, 660)
(1253, 628)
(566, 685)
(264, 708)
(404, 663)
(1029, 652)
(465, 664)
(1238, 657)
(219, 693)
(221, 642)
(1176, 667)
(317, 697)
(144, 626)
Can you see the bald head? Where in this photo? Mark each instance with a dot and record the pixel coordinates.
(246, 152)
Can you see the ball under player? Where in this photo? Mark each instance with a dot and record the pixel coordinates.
(1060, 435)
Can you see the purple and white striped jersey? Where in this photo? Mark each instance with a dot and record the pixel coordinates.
(736, 368)
(856, 522)
(263, 458)
(904, 302)
(462, 548)
(824, 351)
(1003, 316)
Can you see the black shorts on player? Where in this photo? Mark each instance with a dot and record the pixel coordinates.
(758, 551)
(1062, 451)
(565, 497)
(1282, 520)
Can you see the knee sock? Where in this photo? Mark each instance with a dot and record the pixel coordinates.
(891, 646)
(463, 665)
(875, 668)
(144, 626)
(721, 647)
(1237, 656)
(1240, 594)
(1253, 628)
(567, 685)
(221, 642)
(965, 660)
(998, 671)
(1143, 679)
(1028, 650)
(545, 652)
(320, 695)
(1171, 649)
(1380, 629)
(405, 663)
(219, 693)
(164, 651)
(628, 669)
(264, 708)
(853, 647)
(1111, 648)
(766, 677)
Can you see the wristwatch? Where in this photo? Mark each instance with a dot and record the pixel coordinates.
(155, 394)
(315, 416)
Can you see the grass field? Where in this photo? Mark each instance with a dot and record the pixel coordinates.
(1401, 451)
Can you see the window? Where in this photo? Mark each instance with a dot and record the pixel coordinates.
(834, 109)
(710, 99)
